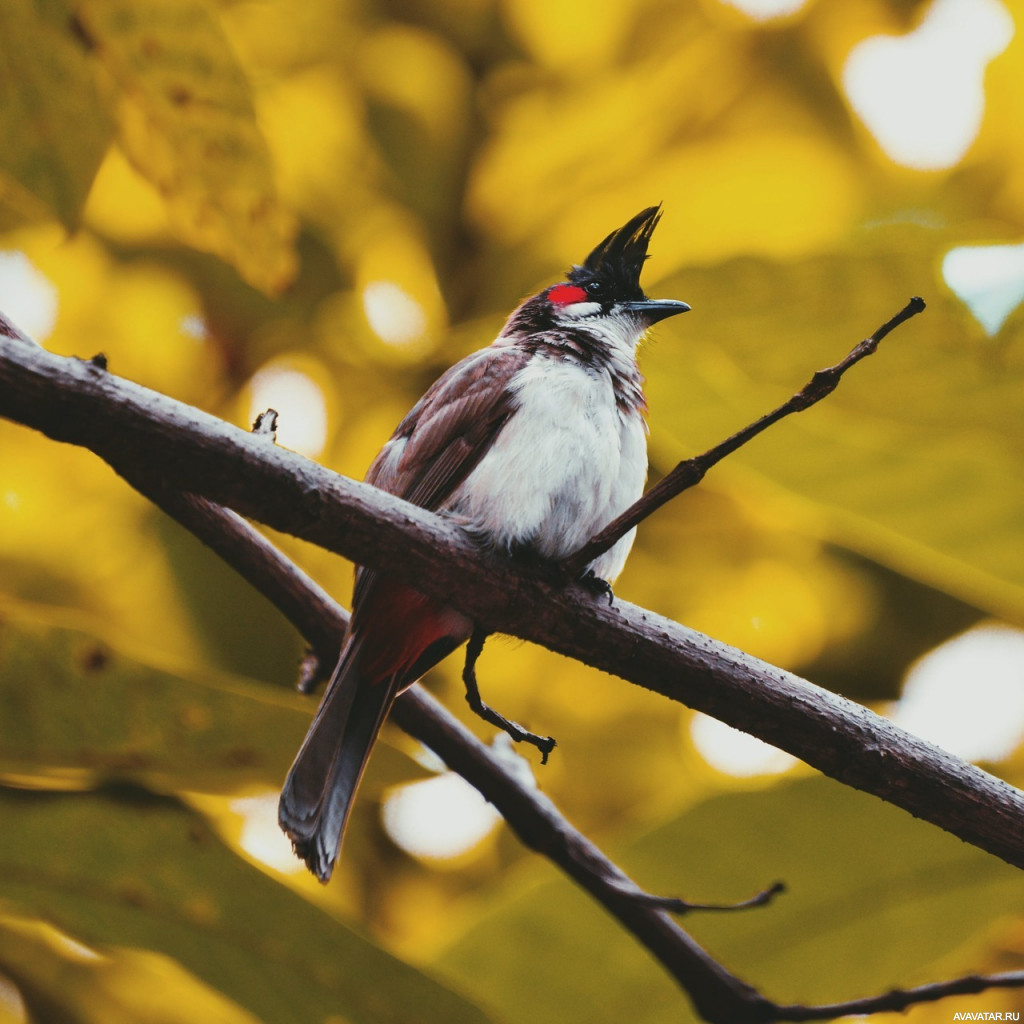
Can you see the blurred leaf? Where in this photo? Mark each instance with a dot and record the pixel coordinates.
(188, 125)
(874, 899)
(54, 123)
(62, 980)
(241, 631)
(128, 869)
(916, 458)
(417, 91)
(77, 710)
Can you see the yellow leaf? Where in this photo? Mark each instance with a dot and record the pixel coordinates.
(188, 126)
(54, 123)
(119, 985)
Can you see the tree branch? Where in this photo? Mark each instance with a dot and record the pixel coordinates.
(902, 998)
(720, 997)
(690, 472)
(75, 401)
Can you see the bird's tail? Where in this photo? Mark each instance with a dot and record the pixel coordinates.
(321, 785)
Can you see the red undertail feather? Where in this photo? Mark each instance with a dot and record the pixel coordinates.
(398, 636)
(397, 627)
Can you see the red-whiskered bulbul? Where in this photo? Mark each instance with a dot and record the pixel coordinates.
(534, 444)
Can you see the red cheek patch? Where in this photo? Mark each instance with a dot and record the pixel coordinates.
(566, 294)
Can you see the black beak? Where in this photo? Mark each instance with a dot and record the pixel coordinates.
(653, 310)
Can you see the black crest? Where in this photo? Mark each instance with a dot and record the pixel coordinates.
(612, 270)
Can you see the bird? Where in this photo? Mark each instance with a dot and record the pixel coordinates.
(533, 444)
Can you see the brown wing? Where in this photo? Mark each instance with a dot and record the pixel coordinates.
(446, 433)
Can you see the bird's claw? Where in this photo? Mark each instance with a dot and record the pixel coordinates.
(545, 744)
(596, 585)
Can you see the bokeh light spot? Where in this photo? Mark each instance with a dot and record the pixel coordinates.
(733, 752)
(393, 314)
(988, 279)
(29, 299)
(766, 10)
(193, 326)
(299, 403)
(439, 818)
(261, 835)
(967, 695)
(922, 94)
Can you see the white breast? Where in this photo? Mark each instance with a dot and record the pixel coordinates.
(564, 465)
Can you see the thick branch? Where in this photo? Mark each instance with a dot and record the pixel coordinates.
(74, 401)
(690, 472)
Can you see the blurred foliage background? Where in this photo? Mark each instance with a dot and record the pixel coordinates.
(318, 207)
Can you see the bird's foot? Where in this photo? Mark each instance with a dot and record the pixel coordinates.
(596, 585)
(545, 744)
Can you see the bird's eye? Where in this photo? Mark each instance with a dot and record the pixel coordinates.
(595, 289)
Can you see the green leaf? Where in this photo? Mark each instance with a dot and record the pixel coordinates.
(78, 710)
(916, 459)
(55, 124)
(188, 125)
(874, 900)
(875, 897)
(124, 868)
(61, 979)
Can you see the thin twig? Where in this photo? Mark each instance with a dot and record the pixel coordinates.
(690, 472)
(900, 999)
(675, 905)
